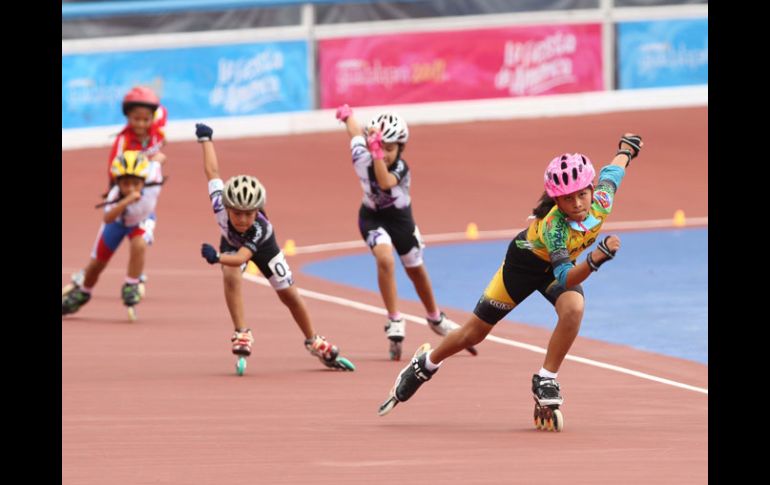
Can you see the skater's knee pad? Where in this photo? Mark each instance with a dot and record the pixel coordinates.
(281, 277)
(378, 236)
(413, 258)
(279, 283)
(148, 237)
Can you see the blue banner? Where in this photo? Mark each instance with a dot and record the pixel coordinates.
(193, 82)
(663, 53)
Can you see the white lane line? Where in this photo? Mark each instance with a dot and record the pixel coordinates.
(460, 236)
(494, 234)
(507, 233)
(260, 280)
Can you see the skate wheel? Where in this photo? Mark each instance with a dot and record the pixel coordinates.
(240, 366)
(558, 420)
(67, 288)
(131, 314)
(539, 421)
(542, 417)
(387, 406)
(395, 350)
(345, 364)
(142, 290)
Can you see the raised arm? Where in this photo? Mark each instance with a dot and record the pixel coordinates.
(210, 164)
(628, 149)
(345, 115)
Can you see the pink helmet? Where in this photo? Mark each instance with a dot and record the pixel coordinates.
(568, 173)
(140, 96)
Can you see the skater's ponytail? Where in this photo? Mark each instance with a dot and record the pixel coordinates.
(544, 206)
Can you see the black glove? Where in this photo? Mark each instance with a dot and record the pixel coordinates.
(636, 144)
(209, 253)
(603, 248)
(203, 132)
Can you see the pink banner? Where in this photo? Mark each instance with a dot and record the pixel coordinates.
(469, 64)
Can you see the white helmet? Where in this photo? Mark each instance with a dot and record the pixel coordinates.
(392, 127)
(244, 192)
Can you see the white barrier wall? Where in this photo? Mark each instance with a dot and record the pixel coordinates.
(427, 113)
(439, 112)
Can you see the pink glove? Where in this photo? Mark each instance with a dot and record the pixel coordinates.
(343, 112)
(374, 142)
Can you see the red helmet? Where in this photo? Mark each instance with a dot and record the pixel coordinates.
(140, 96)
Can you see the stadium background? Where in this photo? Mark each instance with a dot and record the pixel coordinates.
(155, 412)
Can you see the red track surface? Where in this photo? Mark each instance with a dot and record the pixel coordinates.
(157, 401)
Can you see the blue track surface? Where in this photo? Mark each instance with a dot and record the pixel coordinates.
(653, 297)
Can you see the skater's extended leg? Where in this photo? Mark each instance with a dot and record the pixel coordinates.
(136, 257)
(296, 305)
(423, 287)
(386, 276)
(569, 307)
(473, 332)
(411, 377)
(77, 294)
(232, 279)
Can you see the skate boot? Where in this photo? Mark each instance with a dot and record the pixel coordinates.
(545, 391)
(242, 341)
(328, 354)
(395, 330)
(408, 381)
(131, 297)
(443, 326)
(73, 300)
